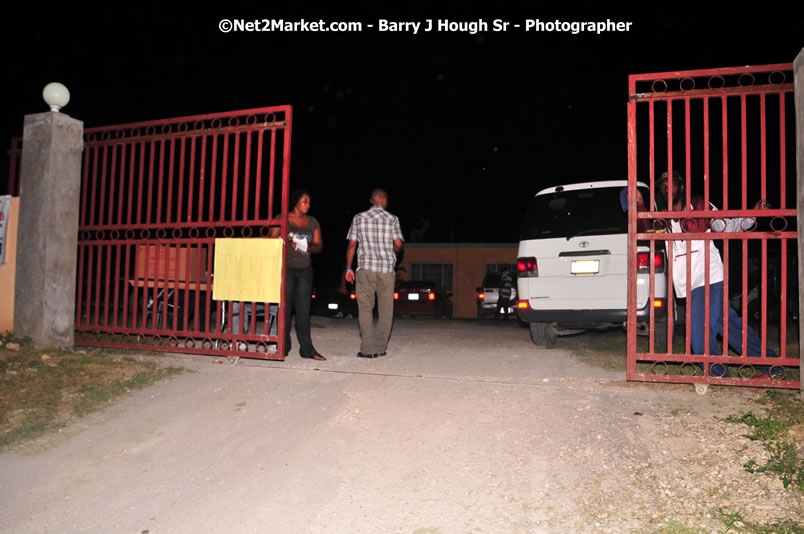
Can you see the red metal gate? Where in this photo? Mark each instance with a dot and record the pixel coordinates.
(729, 135)
(155, 196)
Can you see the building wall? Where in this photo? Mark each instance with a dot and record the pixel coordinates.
(468, 267)
(8, 270)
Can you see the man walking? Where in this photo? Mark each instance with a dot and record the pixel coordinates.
(380, 239)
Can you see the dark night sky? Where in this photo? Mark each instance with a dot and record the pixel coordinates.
(460, 129)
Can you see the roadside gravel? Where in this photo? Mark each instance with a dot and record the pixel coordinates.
(463, 427)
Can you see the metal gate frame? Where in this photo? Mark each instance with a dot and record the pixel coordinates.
(155, 196)
(713, 106)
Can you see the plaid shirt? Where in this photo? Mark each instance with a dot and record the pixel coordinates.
(375, 230)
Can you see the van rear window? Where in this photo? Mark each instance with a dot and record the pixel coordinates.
(567, 214)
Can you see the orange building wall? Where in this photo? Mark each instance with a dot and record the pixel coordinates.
(8, 270)
(468, 267)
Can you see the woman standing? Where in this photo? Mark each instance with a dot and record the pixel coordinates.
(303, 239)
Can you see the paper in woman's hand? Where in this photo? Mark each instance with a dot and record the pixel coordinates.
(301, 243)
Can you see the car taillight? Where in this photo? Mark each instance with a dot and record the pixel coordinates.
(396, 295)
(658, 303)
(431, 296)
(643, 261)
(658, 262)
(352, 296)
(522, 304)
(481, 296)
(527, 267)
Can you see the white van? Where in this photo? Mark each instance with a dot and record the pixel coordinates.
(573, 262)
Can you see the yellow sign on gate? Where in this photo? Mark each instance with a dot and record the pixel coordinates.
(248, 270)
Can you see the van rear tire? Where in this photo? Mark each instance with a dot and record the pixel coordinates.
(543, 334)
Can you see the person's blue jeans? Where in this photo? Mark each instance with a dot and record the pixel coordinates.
(298, 297)
(697, 333)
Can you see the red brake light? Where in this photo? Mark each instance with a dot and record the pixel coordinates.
(481, 296)
(658, 262)
(352, 296)
(522, 304)
(658, 303)
(527, 267)
(431, 296)
(396, 295)
(643, 260)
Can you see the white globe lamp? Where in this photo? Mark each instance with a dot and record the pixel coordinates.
(56, 96)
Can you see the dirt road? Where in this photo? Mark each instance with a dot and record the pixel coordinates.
(463, 427)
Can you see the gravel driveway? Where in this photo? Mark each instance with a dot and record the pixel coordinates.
(463, 428)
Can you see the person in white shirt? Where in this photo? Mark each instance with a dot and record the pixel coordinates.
(698, 268)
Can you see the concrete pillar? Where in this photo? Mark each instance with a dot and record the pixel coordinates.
(47, 244)
(798, 75)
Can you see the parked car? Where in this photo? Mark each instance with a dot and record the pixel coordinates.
(488, 294)
(572, 264)
(333, 303)
(420, 297)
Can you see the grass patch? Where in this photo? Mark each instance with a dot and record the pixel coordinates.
(735, 522)
(42, 391)
(606, 349)
(784, 411)
(674, 527)
(601, 348)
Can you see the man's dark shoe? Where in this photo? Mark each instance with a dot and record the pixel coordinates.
(772, 371)
(361, 355)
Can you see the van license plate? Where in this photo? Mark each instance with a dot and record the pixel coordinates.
(413, 296)
(332, 306)
(585, 267)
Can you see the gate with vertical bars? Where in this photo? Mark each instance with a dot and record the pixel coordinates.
(155, 196)
(729, 136)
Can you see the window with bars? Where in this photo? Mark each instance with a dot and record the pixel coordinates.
(440, 273)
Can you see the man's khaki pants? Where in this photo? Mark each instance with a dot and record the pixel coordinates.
(374, 338)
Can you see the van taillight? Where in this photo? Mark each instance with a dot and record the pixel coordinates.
(643, 261)
(527, 267)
